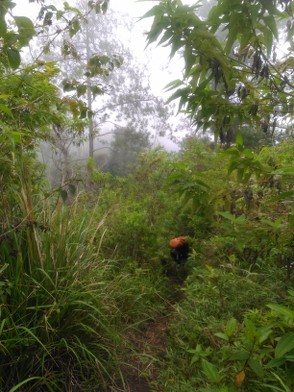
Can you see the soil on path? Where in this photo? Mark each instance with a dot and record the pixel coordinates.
(149, 345)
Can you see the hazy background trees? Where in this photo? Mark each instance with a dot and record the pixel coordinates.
(98, 70)
(126, 145)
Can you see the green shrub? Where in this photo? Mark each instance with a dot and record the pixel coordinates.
(64, 308)
(223, 312)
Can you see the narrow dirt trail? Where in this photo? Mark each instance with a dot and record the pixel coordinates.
(150, 344)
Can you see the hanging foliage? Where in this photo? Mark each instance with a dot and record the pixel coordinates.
(237, 80)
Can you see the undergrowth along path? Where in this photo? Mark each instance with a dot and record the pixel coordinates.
(149, 345)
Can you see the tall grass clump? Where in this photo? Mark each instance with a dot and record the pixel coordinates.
(63, 308)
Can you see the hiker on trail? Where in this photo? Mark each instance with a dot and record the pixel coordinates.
(179, 249)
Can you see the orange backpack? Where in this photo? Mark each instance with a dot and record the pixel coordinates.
(178, 241)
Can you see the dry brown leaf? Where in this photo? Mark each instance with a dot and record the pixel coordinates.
(239, 378)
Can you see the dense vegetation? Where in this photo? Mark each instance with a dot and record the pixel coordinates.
(85, 269)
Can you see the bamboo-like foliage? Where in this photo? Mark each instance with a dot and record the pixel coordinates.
(63, 308)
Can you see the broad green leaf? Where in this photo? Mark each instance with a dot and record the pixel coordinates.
(250, 330)
(67, 7)
(285, 171)
(84, 112)
(263, 334)
(222, 336)
(166, 36)
(239, 140)
(228, 216)
(277, 224)
(231, 327)
(3, 26)
(245, 40)
(173, 84)
(240, 174)
(74, 27)
(156, 29)
(276, 362)
(233, 151)
(241, 219)
(189, 59)
(233, 165)
(233, 32)
(48, 18)
(214, 17)
(177, 43)
(13, 56)
(10, 38)
(240, 356)
(156, 10)
(5, 109)
(5, 5)
(17, 136)
(96, 90)
(271, 23)
(248, 153)
(286, 313)
(266, 38)
(210, 371)
(254, 10)
(26, 29)
(59, 14)
(81, 89)
(270, 6)
(68, 86)
(256, 367)
(285, 344)
(287, 64)
(179, 94)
